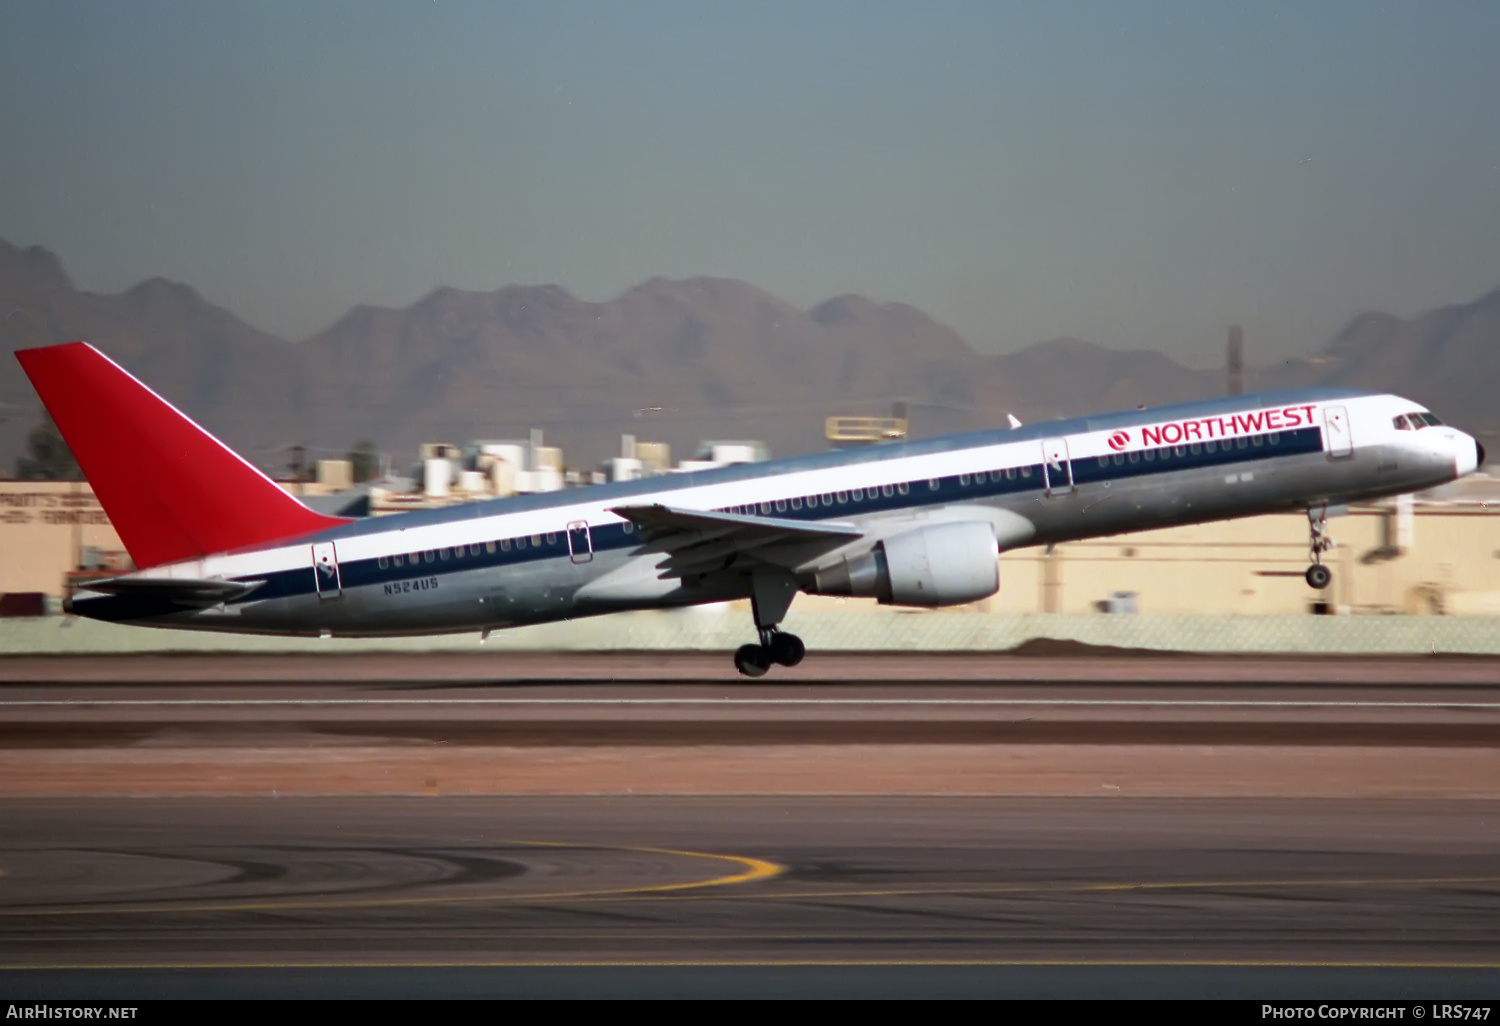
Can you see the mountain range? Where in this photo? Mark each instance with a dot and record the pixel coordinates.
(673, 361)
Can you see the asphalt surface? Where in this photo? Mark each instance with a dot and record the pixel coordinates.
(1269, 829)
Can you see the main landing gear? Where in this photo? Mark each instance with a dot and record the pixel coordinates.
(776, 647)
(771, 594)
(1318, 576)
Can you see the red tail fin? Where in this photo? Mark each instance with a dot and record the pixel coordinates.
(172, 490)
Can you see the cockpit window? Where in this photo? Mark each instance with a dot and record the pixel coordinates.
(1431, 420)
(1401, 423)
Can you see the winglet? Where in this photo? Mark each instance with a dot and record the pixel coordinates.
(172, 490)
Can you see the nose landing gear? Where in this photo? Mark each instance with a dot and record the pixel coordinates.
(1318, 576)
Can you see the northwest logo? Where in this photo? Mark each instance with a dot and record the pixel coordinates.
(1119, 440)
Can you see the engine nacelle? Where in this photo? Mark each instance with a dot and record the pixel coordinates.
(942, 565)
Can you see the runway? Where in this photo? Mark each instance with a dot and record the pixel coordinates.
(504, 833)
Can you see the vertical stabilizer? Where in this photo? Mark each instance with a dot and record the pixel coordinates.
(172, 490)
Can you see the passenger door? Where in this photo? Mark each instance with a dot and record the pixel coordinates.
(1057, 467)
(325, 559)
(1336, 432)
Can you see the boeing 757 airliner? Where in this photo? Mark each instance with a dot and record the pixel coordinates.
(219, 546)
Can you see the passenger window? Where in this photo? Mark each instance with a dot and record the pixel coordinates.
(887, 491)
(429, 556)
(1134, 457)
(628, 527)
(828, 498)
(489, 547)
(1240, 443)
(1274, 438)
(536, 541)
(1195, 448)
(1119, 460)
(1150, 455)
(765, 507)
(1010, 473)
(1211, 447)
(1178, 451)
(963, 480)
(843, 497)
(933, 484)
(504, 544)
(382, 561)
(551, 537)
(796, 503)
(444, 552)
(1258, 441)
(520, 543)
(1025, 471)
(781, 505)
(903, 488)
(858, 494)
(1103, 461)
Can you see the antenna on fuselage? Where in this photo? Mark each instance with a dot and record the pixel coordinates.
(1014, 422)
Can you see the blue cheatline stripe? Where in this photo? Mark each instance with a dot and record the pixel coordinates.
(905, 495)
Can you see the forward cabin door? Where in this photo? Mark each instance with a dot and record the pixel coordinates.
(1057, 467)
(326, 570)
(1336, 432)
(580, 542)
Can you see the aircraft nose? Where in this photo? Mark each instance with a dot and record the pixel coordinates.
(1470, 455)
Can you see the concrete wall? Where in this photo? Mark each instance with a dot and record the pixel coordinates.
(723, 628)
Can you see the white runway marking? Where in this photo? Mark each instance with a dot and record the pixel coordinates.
(1210, 703)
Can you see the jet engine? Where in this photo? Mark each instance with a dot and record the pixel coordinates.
(941, 565)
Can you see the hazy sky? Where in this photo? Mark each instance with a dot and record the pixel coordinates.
(1135, 173)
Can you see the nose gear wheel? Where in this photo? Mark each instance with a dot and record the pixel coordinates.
(1318, 576)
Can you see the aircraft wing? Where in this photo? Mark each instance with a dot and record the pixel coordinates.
(700, 541)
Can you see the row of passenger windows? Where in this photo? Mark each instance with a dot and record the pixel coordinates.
(995, 476)
(535, 541)
(1416, 421)
(1119, 459)
(855, 495)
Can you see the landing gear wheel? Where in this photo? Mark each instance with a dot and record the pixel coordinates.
(752, 660)
(787, 649)
(1319, 576)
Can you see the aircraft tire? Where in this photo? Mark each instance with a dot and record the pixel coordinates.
(787, 649)
(752, 660)
(1319, 576)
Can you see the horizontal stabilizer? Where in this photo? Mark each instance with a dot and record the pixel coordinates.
(183, 592)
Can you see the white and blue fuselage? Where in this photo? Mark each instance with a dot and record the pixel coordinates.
(907, 523)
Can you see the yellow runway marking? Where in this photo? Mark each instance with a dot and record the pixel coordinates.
(751, 870)
(1087, 888)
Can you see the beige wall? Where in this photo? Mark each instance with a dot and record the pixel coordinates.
(1254, 567)
(1251, 566)
(44, 526)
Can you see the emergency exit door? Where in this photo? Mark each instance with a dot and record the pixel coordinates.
(580, 542)
(325, 559)
(1057, 467)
